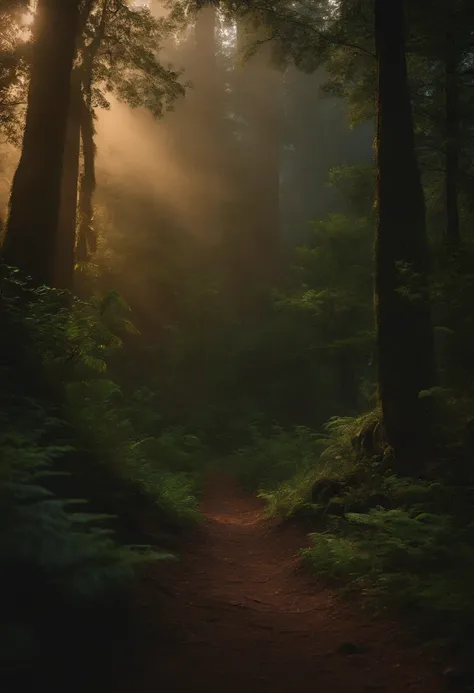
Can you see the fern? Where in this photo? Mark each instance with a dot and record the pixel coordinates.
(272, 460)
(54, 544)
(413, 560)
(343, 430)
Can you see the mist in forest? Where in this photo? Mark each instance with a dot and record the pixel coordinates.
(246, 151)
(193, 163)
(136, 154)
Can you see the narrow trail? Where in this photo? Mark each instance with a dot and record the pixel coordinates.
(245, 619)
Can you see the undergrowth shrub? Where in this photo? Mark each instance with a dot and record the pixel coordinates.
(166, 465)
(67, 429)
(418, 561)
(270, 460)
(322, 462)
(400, 542)
(51, 551)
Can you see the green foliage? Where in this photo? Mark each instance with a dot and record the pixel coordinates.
(127, 63)
(47, 547)
(65, 426)
(344, 431)
(323, 460)
(357, 185)
(310, 357)
(293, 497)
(415, 560)
(269, 460)
(73, 342)
(402, 543)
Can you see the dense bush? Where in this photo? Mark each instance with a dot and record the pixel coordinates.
(418, 561)
(399, 541)
(66, 428)
(270, 460)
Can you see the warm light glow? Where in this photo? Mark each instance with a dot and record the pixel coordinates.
(27, 19)
(155, 168)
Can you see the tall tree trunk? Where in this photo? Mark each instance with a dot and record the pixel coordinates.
(66, 242)
(87, 237)
(30, 241)
(453, 237)
(404, 329)
(87, 240)
(260, 87)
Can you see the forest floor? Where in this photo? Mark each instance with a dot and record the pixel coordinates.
(241, 616)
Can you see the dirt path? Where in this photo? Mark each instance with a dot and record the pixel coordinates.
(246, 620)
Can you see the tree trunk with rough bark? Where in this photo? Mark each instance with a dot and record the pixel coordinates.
(31, 237)
(452, 235)
(404, 329)
(87, 235)
(66, 242)
(87, 239)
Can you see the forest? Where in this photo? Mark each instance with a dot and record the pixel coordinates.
(236, 303)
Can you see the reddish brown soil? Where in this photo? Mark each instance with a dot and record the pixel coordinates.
(245, 619)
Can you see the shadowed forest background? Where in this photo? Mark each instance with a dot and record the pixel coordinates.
(191, 194)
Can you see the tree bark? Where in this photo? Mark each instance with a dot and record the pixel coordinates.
(453, 237)
(87, 241)
(87, 237)
(30, 241)
(404, 330)
(66, 242)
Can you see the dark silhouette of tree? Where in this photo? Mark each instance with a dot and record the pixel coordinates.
(118, 50)
(30, 239)
(66, 243)
(452, 134)
(404, 330)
